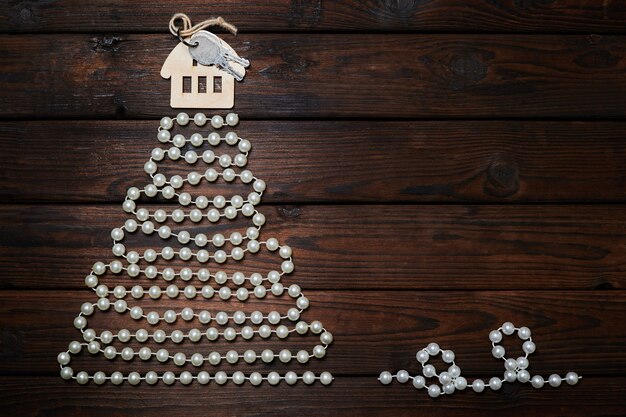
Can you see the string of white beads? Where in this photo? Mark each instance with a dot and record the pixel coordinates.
(451, 380)
(120, 298)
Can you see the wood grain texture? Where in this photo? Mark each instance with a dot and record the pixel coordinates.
(348, 396)
(352, 247)
(331, 161)
(300, 75)
(374, 331)
(300, 16)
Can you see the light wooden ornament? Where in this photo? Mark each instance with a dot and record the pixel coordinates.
(187, 77)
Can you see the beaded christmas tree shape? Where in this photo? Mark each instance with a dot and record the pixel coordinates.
(200, 280)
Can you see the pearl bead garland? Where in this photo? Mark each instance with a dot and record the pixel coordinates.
(451, 380)
(269, 325)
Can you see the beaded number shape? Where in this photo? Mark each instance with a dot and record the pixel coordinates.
(128, 262)
(451, 380)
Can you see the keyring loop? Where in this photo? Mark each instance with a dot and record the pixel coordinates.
(180, 38)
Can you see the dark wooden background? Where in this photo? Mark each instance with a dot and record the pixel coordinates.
(439, 167)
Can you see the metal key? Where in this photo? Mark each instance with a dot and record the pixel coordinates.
(211, 50)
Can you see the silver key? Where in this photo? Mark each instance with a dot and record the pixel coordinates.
(211, 50)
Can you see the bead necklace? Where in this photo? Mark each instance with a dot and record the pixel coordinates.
(269, 324)
(451, 380)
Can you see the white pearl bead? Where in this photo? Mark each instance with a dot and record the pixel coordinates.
(510, 364)
(75, 347)
(217, 121)
(87, 308)
(166, 123)
(89, 335)
(572, 378)
(244, 146)
(537, 381)
(117, 378)
(232, 356)
(422, 356)
(523, 376)
(302, 356)
(495, 383)
(508, 328)
(554, 380)
(152, 377)
(99, 378)
(80, 322)
(231, 138)
(402, 376)
(259, 186)
(428, 371)
(232, 119)
(495, 336)
(326, 378)
(203, 377)
(63, 358)
(127, 353)
(523, 333)
(225, 160)
(434, 391)
(528, 347)
(522, 362)
(110, 352)
(180, 359)
(123, 335)
(449, 388)
(302, 303)
(273, 378)
(256, 378)
(478, 385)
(447, 356)
(225, 293)
(319, 351)
(200, 119)
(179, 142)
(214, 139)
(265, 331)
(510, 376)
(220, 377)
(498, 352)
(120, 306)
(169, 378)
(82, 377)
(444, 378)
(308, 377)
(215, 358)
(316, 327)
(182, 118)
(433, 348)
(419, 382)
(221, 317)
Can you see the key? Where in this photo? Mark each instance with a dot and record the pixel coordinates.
(211, 50)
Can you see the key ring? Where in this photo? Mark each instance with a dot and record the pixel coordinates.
(180, 38)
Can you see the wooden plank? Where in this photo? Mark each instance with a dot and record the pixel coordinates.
(348, 396)
(312, 161)
(353, 247)
(256, 15)
(581, 331)
(304, 75)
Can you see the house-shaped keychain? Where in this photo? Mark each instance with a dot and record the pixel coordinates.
(194, 85)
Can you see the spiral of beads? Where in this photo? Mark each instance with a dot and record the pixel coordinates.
(451, 380)
(221, 325)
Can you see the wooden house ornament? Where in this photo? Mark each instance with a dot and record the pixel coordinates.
(194, 85)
